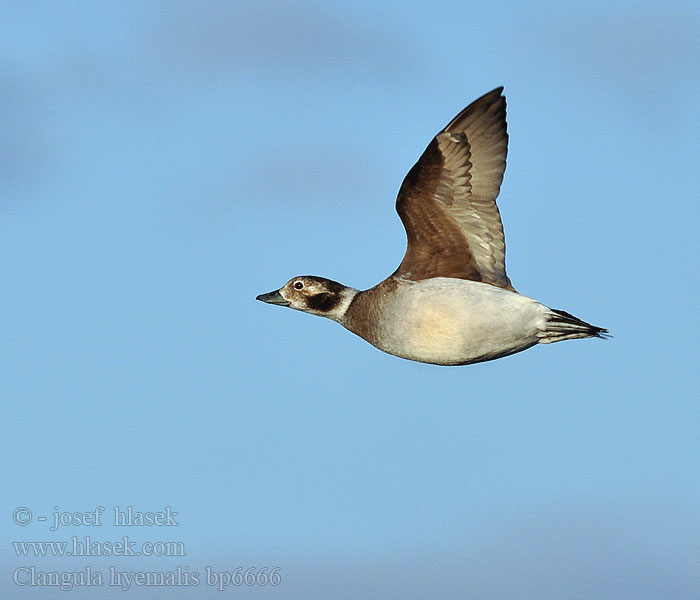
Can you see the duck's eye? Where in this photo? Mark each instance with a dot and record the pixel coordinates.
(298, 285)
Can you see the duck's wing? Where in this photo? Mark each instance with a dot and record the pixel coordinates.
(447, 201)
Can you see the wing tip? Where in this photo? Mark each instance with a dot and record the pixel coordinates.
(493, 101)
(497, 91)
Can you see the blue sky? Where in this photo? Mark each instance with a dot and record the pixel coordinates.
(162, 164)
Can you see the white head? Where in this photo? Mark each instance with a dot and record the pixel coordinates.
(314, 295)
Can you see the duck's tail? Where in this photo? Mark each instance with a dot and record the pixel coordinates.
(561, 326)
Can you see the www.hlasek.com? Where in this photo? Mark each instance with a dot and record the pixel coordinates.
(181, 576)
(86, 546)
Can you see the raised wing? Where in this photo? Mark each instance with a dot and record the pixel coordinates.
(447, 201)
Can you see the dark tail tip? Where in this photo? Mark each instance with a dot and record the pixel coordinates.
(571, 326)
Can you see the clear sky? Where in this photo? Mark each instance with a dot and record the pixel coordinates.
(161, 164)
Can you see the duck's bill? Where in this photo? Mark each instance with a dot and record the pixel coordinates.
(273, 298)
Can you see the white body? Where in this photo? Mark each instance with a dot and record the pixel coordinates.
(455, 321)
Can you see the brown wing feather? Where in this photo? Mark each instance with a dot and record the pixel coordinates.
(447, 200)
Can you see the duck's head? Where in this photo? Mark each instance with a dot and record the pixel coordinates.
(314, 295)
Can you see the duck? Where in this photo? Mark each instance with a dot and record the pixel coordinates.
(450, 301)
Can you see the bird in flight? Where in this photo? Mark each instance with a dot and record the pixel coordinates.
(450, 301)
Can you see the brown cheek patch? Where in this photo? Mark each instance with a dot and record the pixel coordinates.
(323, 302)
